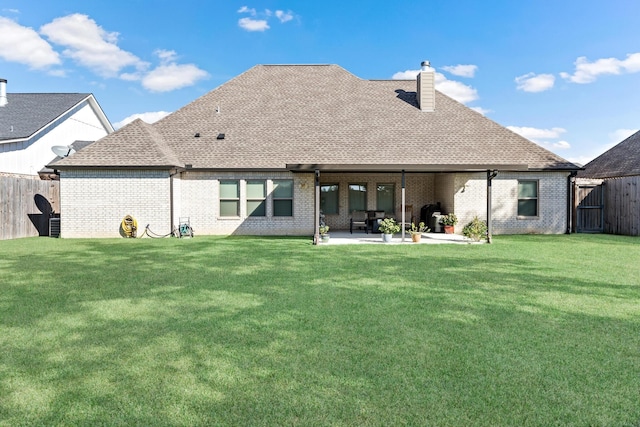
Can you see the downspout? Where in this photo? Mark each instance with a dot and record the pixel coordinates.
(316, 210)
(570, 200)
(490, 175)
(403, 204)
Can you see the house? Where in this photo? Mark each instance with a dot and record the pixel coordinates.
(32, 123)
(608, 190)
(274, 148)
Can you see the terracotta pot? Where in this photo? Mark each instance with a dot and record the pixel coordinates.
(416, 237)
(448, 229)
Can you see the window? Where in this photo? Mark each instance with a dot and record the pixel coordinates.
(386, 198)
(329, 199)
(283, 197)
(527, 198)
(256, 195)
(357, 197)
(229, 198)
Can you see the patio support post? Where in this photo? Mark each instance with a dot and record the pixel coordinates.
(490, 175)
(403, 205)
(316, 209)
(571, 179)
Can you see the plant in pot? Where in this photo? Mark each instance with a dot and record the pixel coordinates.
(388, 227)
(475, 230)
(449, 221)
(324, 233)
(416, 232)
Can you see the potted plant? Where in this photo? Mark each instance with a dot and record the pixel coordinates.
(388, 227)
(416, 232)
(324, 233)
(475, 230)
(449, 221)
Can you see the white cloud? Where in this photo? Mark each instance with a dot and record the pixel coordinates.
(262, 23)
(620, 135)
(481, 110)
(588, 72)
(245, 9)
(90, 45)
(24, 45)
(253, 24)
(405, 75)
(149, 117)
(543, 137)
(166, 55)
(456, 90)
(168, 77)
(532, 82)
(537, 134)
(284, 16)
(461, 70)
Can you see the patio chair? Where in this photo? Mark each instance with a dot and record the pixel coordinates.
(359, 220)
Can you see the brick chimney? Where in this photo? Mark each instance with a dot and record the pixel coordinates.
(3, 92)
(426, 88)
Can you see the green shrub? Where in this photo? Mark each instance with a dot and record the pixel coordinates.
(475, 230)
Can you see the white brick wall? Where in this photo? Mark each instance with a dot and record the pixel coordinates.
(470, 200)
(199, 201)
(93, 203)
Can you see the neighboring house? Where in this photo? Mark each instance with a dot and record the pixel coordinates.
(268, 151)
(32, 123)
(608, 190)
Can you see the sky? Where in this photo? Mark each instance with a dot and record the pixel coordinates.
(563, 73)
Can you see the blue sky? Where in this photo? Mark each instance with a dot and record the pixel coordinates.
(564, 73)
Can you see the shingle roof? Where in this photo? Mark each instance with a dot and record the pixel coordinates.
(275, 115)
(621, 160)
(26, 113)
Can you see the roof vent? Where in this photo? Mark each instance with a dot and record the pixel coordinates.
(197, 135)
(3, 92)
(220, 136)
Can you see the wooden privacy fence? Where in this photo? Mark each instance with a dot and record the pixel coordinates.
(622, 206)
(589, 212)
(26, 204)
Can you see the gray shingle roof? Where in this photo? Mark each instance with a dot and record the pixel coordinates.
(26, 113)
(621, 160)
(274, 115)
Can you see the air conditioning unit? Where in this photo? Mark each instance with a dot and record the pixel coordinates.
(54, 227)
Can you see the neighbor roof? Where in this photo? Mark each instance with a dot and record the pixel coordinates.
(278, 115)
(621, 160)
(27, 113)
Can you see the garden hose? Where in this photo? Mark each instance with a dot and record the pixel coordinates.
(129, 226)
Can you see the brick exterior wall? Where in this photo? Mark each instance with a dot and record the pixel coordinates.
(198, 199)
(419, 190)
(470, 200)
(94, 202)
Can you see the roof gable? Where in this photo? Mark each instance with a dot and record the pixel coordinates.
(621, 160)
(27, 113)
(275, 115)
(134, 145)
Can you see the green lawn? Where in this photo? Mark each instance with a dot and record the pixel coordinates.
(528, 331)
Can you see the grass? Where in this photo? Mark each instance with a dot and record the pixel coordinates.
(528, 331)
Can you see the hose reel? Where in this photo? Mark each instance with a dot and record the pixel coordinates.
(129, 226)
